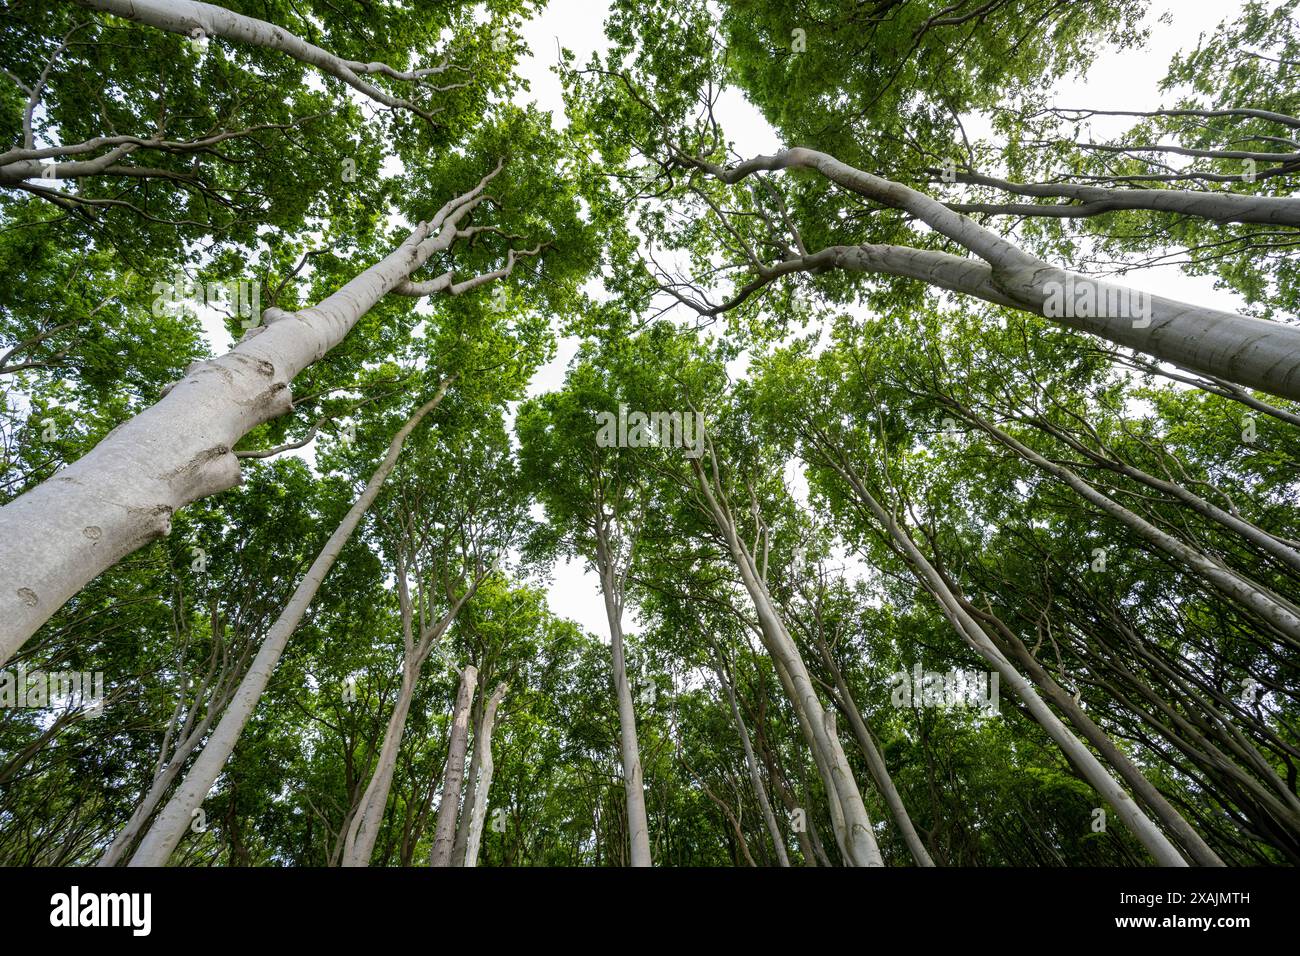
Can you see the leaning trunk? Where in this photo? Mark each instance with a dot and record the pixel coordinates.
(121, 495)
(1125, 808)
(162, 782)
(364, 829)
(857, 839)
(175, 818)
(755, 778)
(876, 764)
(1191, 841)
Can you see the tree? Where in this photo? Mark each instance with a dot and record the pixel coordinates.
(923, 534)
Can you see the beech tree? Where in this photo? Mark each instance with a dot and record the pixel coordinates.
(401, 468)
(596, 500)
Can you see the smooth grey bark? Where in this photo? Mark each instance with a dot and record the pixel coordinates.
(834, 804)
(885, 783)
(1276, 611)
(121, 495)
(162, 782)
(1252, 352)
(1255, 535)
(876, 762)
(188, 16)
(1147, 833)
(481, 788)
(858, 841)
(359, 845)
(472, 774)
(1191, 841)
(849, 821)
(444, 835)
(1095, 200)
(755, 778)
(170, 826)
(629, 748)
(184, 733)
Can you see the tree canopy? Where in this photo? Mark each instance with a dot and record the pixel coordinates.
(933, 476)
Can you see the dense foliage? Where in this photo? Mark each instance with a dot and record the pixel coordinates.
(866, 460)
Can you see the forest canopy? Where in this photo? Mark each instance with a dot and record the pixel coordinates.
(933, 472)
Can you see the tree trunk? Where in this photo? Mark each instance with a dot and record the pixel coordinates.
(483, 753)
(857, 838)
(755, 779)
(1244, 350)
(815, 747)
(162, 782)
(121, 495)
(1138, 823)
(444, 834)
(876, 763)
(175, 818)
(471, 775)
(359, 844)
(1191, 841)
(633, 785)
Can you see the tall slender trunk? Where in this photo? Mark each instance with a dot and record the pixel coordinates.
(1148, 834)
(876, 762)
(633, 782)
(444, 834)
(1173, 821)
(755, 778)
(483, 751)
(471, 775)
(1277, 612)
(121, 495)
(175, 818)
(816, 748)
(162, 782)
(857, 838)
(364, 830)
